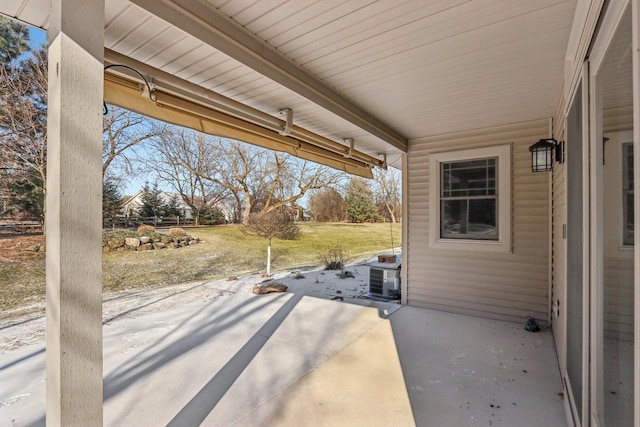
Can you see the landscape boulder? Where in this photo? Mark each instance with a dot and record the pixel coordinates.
(116, 243)
(143, 243)
(269, 288)
(132, 242)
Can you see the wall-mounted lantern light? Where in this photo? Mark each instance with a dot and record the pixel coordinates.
(544, 152)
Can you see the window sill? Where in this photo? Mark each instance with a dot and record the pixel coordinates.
(471, 245)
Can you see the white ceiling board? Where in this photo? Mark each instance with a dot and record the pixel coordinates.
(200, 20)
(408, 35)
(33, 12)
(293, 23)
(256, 11)
(115, 8)
(511, 34)
(422, 67)
(375, 25)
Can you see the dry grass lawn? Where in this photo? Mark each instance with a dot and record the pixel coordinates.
(225, 252)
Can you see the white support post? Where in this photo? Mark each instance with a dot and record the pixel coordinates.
(404, 271)
(74, 214)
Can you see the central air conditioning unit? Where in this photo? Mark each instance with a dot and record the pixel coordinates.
(384, 281)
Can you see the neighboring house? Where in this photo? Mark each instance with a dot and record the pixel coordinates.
(131, 204)
(454, 93)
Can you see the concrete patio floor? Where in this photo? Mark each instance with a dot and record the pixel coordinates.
(295, 360)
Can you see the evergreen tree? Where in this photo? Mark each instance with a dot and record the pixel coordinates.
(28, 198)
(14, 39)
(172, 207)
(111, 199)
(360, 204)
(23, 132)
(151, 201)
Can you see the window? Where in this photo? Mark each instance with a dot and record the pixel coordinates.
(627, 194)
(470, 199)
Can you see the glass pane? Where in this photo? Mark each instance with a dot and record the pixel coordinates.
(453, 218)
(627, 194)
(616, 352)
(482, 218)
(469, 219)
(469, 178)
(628, 219)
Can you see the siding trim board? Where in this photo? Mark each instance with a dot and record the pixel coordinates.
(499, 285)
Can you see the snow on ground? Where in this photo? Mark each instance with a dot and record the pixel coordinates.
(164, 326)
(17, 332)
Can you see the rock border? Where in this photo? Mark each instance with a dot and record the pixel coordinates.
(147, 243)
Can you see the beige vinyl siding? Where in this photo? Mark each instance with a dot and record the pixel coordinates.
(618, 298)
(498, 285)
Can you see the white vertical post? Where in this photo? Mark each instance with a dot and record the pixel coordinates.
(404, 270)
(74, 213)
(269, 259)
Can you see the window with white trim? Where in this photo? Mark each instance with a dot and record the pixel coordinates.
(470, 199)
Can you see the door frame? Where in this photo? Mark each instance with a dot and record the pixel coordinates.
(594, 195)
(571, 406)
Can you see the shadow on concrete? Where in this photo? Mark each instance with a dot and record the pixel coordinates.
(133, 310)
(201, 405)
(191, 333)
(22, 359)
(22, 322)
(125, 376)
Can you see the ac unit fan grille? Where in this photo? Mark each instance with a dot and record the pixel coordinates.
(376, 281)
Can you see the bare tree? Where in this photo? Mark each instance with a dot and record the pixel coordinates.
(388, 192)
(269, 225)
(260, 180)
(328, 205)
(123, 130)
(23, 131)
(180, 158)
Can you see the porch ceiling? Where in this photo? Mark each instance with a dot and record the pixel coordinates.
(418, 68)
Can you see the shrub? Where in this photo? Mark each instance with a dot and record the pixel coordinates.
(333, 257)
(177, 232)
(146, 229)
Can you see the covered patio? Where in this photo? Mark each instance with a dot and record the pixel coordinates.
(292, 359)
(354, 85)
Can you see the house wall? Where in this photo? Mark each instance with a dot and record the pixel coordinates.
(501, 285)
